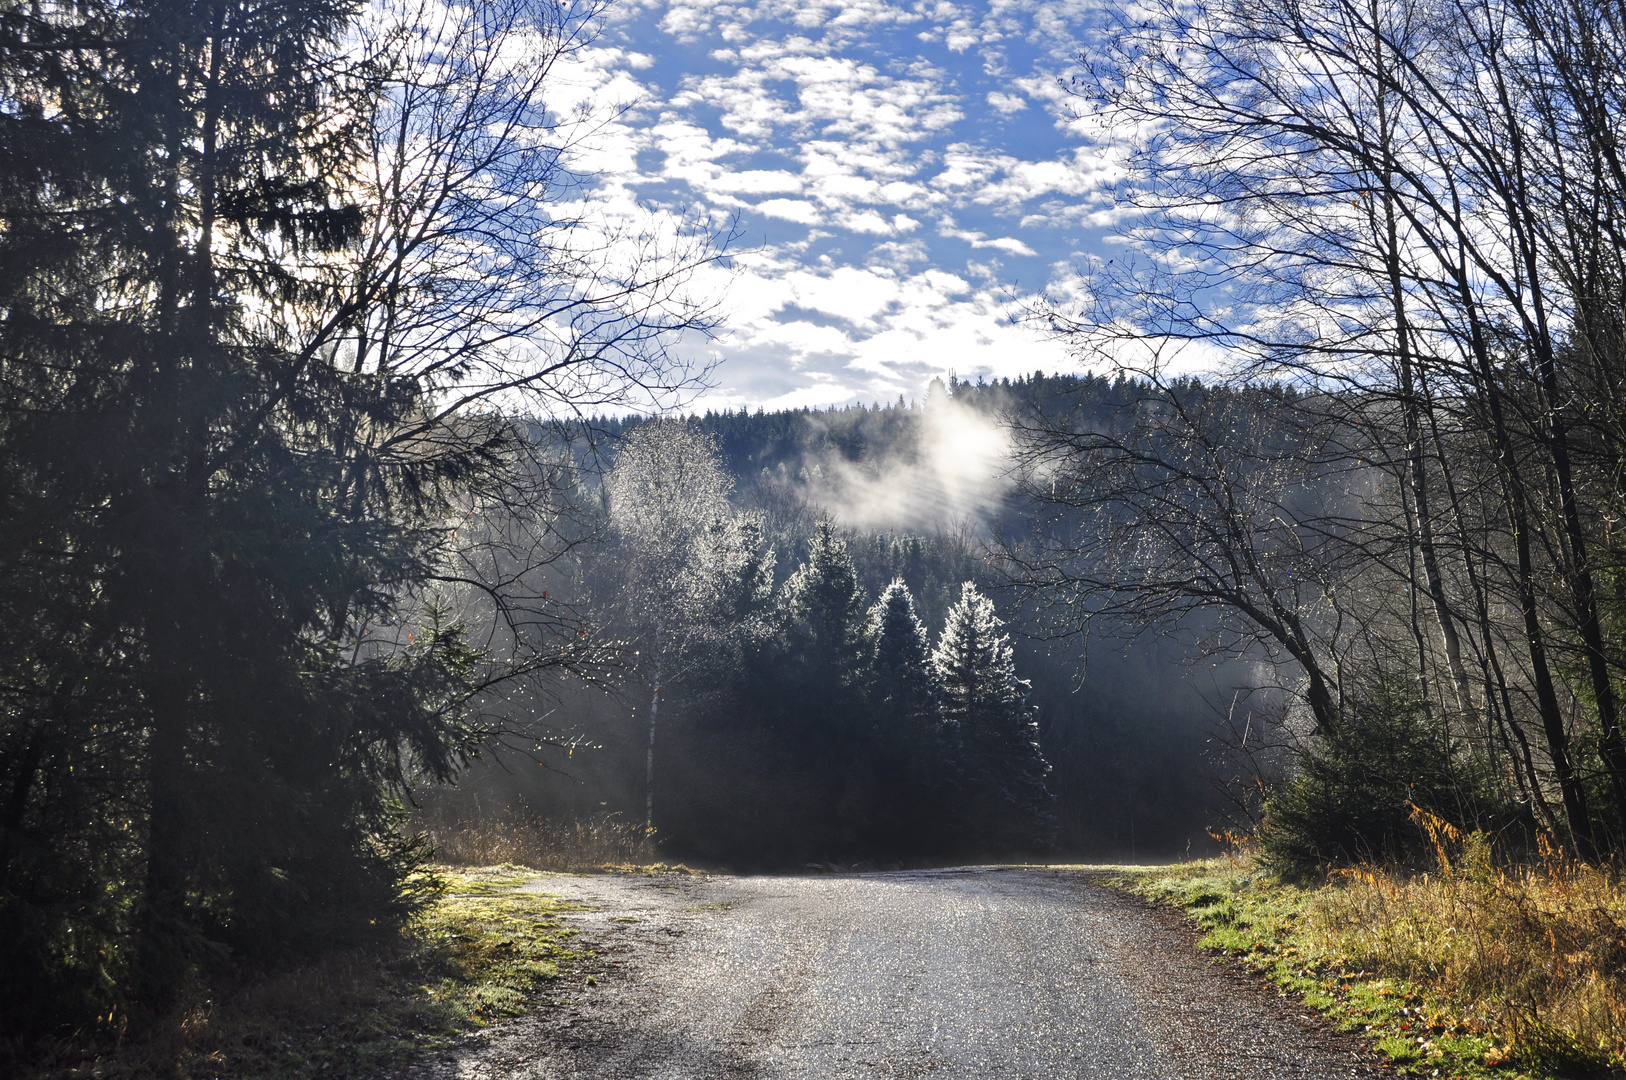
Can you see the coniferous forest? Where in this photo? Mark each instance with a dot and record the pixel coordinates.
(353, 486)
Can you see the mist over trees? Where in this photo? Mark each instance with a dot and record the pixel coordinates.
(806, 720)
(803, 723)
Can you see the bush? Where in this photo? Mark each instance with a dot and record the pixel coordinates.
(1351, 801)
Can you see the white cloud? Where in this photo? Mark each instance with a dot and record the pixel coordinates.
(868, 221)
(803, 213)
(838, 128)
(1008, 244)
(1008, 104)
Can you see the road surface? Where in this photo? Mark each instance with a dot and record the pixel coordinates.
(958, 974)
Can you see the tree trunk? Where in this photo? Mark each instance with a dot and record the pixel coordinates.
(1410, 408)
(654, 718)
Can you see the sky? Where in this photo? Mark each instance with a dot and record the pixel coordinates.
(907, 177)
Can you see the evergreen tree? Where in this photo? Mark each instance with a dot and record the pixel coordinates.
(260, 261)
(907, 764)
(809, 689)
(823, 611)
(1009, 807)
(190, 518)
(903, 680)
(745, 586)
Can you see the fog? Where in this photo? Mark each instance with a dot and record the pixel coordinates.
(954, 470)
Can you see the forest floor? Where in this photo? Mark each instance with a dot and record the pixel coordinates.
(1014, 972)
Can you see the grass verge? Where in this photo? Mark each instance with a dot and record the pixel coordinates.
(1471, 972)
(478, 954)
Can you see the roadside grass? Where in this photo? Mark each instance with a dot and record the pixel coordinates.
(477, 954)
(1469, 971)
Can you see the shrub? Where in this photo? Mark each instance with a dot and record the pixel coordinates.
(1351, 801)
(538, 841)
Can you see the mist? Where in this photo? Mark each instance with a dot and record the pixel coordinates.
(954, 470)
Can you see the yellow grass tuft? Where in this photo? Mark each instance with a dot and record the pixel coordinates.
(1472, 970)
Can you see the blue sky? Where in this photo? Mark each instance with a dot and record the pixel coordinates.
(907, 177)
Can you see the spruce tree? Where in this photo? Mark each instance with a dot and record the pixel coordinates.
(1008, 810)
(810, 691)
(823, 611)
(909, 745)
(273, 275)
(904, 685)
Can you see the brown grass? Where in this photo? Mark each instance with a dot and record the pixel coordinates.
(1536, 953)
(542, 843)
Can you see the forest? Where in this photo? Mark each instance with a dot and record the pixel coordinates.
(352, 488)
(747, 569)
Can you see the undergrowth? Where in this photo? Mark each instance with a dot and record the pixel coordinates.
(1469, 971)
(477, 954)
(605, 841)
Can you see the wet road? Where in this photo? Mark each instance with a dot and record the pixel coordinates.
(970, 973)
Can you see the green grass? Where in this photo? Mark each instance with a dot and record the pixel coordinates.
(481, 953)
(1247, 914)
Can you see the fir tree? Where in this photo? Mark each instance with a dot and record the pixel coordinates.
(1009, 807)
(275, 275)
(904, 683)
(811, 691)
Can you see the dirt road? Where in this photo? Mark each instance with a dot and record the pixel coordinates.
(965, 974)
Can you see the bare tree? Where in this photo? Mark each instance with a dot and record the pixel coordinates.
(669, 506)
(1403, 206)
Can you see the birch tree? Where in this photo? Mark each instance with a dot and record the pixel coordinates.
(668, 495)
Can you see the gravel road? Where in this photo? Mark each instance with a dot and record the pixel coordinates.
(965, 974)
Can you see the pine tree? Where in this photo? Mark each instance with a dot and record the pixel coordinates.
(272, 279)
(745, 584)
(809, 689)
(904, 685)
(1009, 807)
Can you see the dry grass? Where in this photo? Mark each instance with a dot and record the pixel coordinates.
(596, 843)
(1536, 954)
(1472, 970)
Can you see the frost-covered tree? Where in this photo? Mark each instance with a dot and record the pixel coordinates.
(1009, 807)
(669, 505)
(904, 685)
(823, 609)
(907, 766)
(745, 588)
